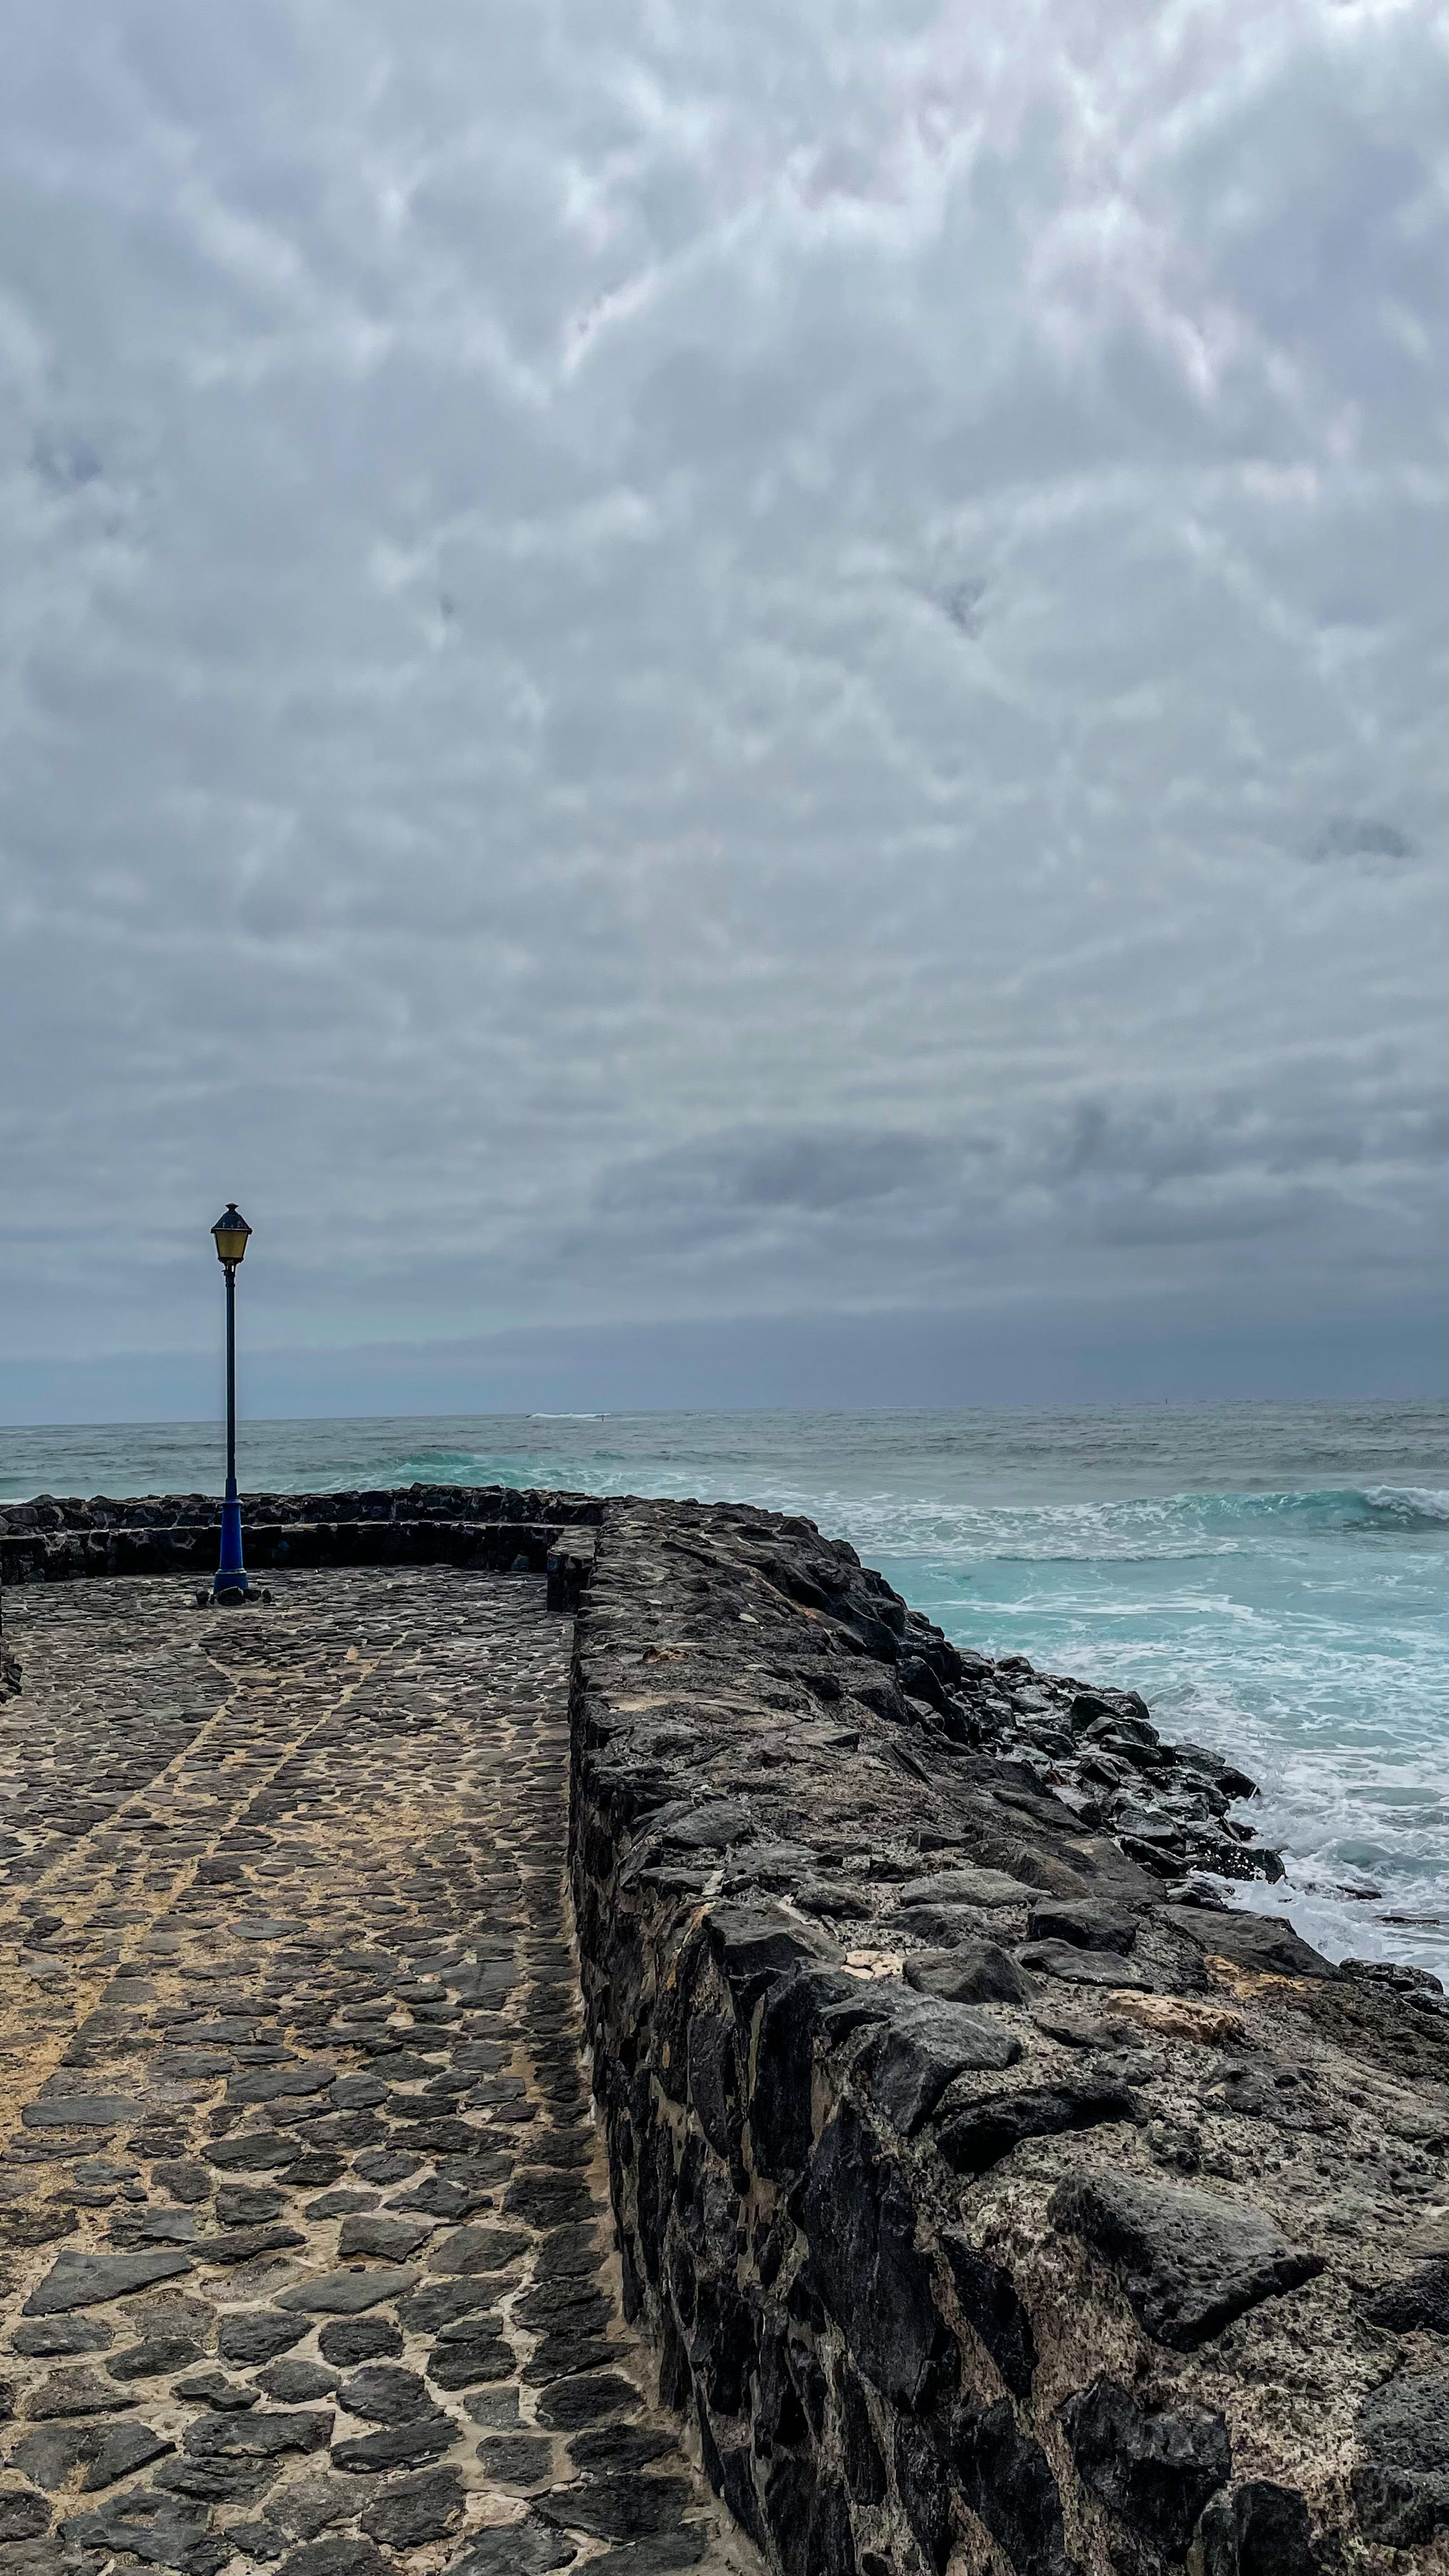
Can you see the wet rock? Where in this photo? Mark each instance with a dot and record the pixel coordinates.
(983, 2132)
(1401, 2478)
(1190, 2261)
(1155, 2467)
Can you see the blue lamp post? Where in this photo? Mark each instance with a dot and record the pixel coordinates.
(230, 1233)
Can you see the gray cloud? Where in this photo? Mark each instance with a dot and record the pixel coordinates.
(680, 668)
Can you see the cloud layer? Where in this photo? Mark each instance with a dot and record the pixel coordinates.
(660, 663)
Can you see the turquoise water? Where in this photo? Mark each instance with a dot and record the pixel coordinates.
(1271, 1578)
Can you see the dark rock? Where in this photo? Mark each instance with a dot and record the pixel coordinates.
(755, 1948)
(571, 2402)
(517, 2459)
(348, 2294)
(1264, 1942)
(213, 2388)
(1154, 2467)
(780, 2125)
(924, 2045)
(860, 2224)
(65, 2334)
(989, 2303)
(349, 2340)
(865, 2474)
(1083, 1923)
(311, 2504)
(1080, 1967)
(261, 2436)
(619, 2446)
(527, 2548)
(617, 2508)
(91, 2280)
(1261, 2530)
(1190, 2261)
(1007, 2481)
(24, 2515)
(714, 2081)
(337, 2558)
(422, 2437)
(1401, 2478)
(297, 2383)
(923, 2490)
(73, 2392)
(980, 1972)
(254, 2151)
(980, 2135)
(1418, 2305)
(391, 2238)
(383, 2394)
(257, 2334)
(80, 2111)
(412, 2510)
(152, 2529)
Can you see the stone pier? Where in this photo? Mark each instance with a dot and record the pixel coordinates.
(305, 2251)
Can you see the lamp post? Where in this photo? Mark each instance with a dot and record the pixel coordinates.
(230, 1233)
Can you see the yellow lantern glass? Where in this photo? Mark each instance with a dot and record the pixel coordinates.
(230, 1232)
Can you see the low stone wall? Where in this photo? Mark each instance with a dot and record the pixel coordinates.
(50, 1541)
(991, 2194)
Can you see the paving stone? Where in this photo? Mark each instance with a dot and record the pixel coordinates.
(423, 2437)
(353, 2339)
(412, 2510)
(93, 2280)
(527, 2548)
(348, 2294)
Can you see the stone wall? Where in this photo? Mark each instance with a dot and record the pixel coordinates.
(990, 2193)
(57, 1541)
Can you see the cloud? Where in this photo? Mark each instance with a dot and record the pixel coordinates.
(652, 667)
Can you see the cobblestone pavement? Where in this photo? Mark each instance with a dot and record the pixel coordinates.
(305, 2256)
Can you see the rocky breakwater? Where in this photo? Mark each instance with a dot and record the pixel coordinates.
(992, 2194)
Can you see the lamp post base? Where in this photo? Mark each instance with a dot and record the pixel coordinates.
(231, 1577)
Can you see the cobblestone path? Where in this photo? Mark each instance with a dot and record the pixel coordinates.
(305, 2256)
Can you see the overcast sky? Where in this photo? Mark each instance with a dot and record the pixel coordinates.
(775, 668)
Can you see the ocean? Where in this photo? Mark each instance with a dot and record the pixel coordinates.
(1271, 1578)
